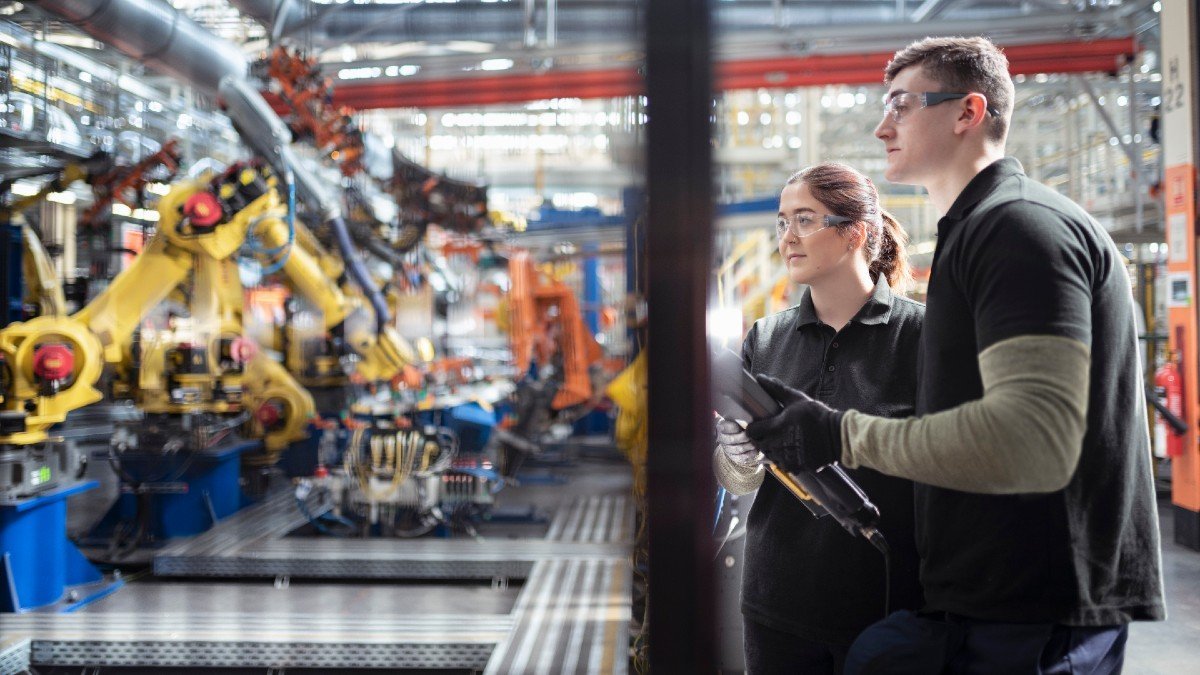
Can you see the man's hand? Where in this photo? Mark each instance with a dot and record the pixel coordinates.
(806, 434)
(735, 444)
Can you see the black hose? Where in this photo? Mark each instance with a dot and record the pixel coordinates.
(1177, 425)
(368, 240)
(358, 272)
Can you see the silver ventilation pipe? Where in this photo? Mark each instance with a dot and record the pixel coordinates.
(158, 35)
(163, 38)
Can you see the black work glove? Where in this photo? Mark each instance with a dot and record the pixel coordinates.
(805, 435)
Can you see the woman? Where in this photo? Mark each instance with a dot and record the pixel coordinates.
(809, 587)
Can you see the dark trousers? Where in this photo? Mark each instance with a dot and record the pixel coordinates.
(907, 643)
(1045, 649)
(774, 652)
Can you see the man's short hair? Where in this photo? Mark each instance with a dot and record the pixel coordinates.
(966, 65)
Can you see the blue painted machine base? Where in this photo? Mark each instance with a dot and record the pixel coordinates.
(39, 565)
(183, 495)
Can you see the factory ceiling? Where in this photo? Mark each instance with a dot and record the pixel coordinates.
(445, 39)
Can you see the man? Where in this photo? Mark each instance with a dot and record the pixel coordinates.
(1035, 514)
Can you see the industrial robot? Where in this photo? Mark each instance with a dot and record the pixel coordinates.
(393, 458)
(554, 353)
(193, 391)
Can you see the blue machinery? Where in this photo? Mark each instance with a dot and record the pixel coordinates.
(180, 495)
(41, 567)
(187, 495)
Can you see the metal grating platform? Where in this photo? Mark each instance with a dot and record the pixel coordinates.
(607, 518)
(242, 640)
(572, 617)
(252, 544)
(14, 655)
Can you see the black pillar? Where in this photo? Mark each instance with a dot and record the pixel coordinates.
(679, 241)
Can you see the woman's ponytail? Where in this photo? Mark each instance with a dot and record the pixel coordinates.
(892, 261)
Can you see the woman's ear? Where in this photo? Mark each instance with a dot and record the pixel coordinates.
(856, 236)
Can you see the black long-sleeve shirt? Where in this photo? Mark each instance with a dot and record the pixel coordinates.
(808, 576)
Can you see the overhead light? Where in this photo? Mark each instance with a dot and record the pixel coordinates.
(136, 88)
(23, 188)
(359, 73)
(396, 51)
(470, 46)
(402, 71)
(496, 64)
(61, 197)
(80, 41)
(255, 46)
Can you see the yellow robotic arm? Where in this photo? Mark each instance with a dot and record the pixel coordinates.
(304, 270)
(52, 363)
(282, 408)
(308, 268)
(68, 174)
(384, 354)
(114, 314)
(49, 366)
(41, 281)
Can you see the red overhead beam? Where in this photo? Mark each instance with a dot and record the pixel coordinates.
(806, 71)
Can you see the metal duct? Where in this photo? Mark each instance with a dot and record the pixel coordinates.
(162, 37)
(155, 33)
(262, 11)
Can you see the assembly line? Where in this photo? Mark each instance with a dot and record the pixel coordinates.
(412, 336)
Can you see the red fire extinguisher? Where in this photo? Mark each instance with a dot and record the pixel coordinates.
(1170, 390)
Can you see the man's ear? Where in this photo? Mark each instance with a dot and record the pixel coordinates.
(972, 113)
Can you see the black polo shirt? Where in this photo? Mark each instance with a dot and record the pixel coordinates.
(1016, 258)
(808, 576)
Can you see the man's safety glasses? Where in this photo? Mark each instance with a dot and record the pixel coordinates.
(807, 224)
(900, 105)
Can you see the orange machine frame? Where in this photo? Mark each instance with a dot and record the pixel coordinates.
(112, 186)
(309, 98)
(545, 319)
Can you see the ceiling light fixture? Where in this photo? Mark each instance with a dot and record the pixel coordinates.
(496, 64)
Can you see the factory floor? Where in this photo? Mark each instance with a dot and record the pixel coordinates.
(544, 587)
(565, 608)
(1170, 647)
